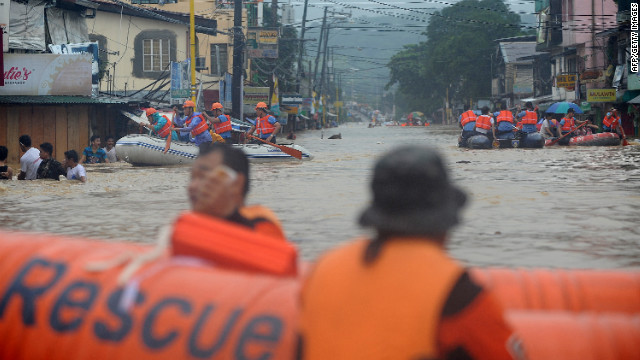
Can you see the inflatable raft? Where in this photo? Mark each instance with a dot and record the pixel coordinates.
(148, 150)
(517, 140)
(599, 139)
(69, 298)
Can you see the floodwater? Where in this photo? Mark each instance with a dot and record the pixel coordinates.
(566, 207)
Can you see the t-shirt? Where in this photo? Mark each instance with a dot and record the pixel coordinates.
(29, 163)
(4, 168)
(76, 173)
(111, 154)
(94, 157)
(50, 169)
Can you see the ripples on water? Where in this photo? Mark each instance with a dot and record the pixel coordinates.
(559, 207)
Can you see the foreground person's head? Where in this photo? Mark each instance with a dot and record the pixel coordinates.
(413, 195)
(219, 180)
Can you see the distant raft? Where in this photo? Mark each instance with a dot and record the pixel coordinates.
(599, 139)
(148, 150)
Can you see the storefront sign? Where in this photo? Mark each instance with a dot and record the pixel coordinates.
(291, 99)
(262, 43)
(585, 106)
(566, 80)
(47, 74)
(601, 95)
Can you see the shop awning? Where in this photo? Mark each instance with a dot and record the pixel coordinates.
(635, 100)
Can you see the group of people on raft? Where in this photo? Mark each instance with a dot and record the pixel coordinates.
(200, 127)
(502, 124)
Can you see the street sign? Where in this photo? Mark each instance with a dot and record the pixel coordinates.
(291, 99)
(566, 81)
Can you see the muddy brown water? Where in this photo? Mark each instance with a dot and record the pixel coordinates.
(576, 207)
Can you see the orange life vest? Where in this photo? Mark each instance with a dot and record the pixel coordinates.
(264, 220)
(352, 310)
(221, 127)
(529, 118)
(569, 124)
(467, 116)
(263, 126)
(505, 115)
(201, 127)
(166, 129)
(483, 122)
(610, 121)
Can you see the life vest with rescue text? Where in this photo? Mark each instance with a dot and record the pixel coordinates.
(483, 122)
(467, 116)
(221, 127)
(366, 301)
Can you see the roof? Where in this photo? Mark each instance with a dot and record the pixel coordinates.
(514, 51)
(59, 99)
(202, 25)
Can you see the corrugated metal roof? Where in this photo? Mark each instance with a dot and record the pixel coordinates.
(512, 51)
(59, 99)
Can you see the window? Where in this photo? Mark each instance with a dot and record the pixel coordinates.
(572, 67)
(222, 50)
(155, 54)
(154, 50)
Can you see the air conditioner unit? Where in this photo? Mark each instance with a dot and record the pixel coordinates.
(201, 63)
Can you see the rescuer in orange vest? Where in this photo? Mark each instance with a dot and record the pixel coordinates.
(219, 185)
(467, 123)
(193, 124)
(504, 122)
(611, 122)
(266, 125)
(221, 122)
(484, 124)
(161, 126)
(528, 119)
(398, 295)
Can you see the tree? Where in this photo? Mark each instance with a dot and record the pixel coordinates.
(456, 56)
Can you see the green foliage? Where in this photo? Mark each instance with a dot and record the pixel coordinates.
(456, 55)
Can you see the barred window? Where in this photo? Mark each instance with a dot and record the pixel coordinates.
(155, 54)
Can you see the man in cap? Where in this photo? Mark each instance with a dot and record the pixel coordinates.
(266, 125)
(611, 122)
(399, 295)
(194, 123)
(161, 126)
(221, 122)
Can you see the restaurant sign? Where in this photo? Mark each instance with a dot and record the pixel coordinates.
(47, 74)
(566, 81)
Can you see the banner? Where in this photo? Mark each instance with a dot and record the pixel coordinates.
(47, 74)
(180, 80)
(275, 99)
(83, 48)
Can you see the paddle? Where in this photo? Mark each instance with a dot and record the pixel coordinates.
(567, 134)
(624, 137)
(285, 149)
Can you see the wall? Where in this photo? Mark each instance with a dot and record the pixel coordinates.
(66, 127)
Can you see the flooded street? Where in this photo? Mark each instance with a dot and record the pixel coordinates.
(555, 207)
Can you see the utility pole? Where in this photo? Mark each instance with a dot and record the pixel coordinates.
(238, 50)
(301, 52)
(315, 71)
(192, 50)
(274, 13)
